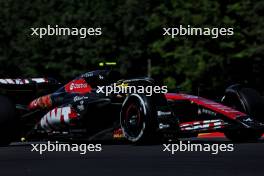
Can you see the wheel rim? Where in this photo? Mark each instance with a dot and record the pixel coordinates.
(133, 122)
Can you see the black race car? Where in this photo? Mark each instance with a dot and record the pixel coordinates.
(41, 108)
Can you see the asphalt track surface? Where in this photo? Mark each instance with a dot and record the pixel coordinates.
(130, 160)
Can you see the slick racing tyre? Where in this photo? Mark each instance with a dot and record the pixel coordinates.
(7, 121)
(245, 100)
(137, 118)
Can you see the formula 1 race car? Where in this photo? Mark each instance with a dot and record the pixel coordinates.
(41, 108)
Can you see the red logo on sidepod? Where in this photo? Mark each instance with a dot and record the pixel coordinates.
(78, 86)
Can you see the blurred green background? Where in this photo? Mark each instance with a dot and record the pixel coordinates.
(132, 35)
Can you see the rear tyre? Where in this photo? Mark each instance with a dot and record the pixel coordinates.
(137, 119)
(7, 121)
(245, 100)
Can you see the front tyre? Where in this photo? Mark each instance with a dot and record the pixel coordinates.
(246, 100)
(137, 118)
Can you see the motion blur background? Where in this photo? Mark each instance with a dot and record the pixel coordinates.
(132, 35)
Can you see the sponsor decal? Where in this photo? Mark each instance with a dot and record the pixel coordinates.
(41, 102)
(78, 86)
(202, 125)
(118, 134)
(87, 75)
(81, 105)
(56, 117)
(163, 113)
(79, 98)
(101, 77)
(206, 111)
(163, 126)
(247, 120)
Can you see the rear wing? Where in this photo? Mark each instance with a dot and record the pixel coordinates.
(18, 81)
(25, 89)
